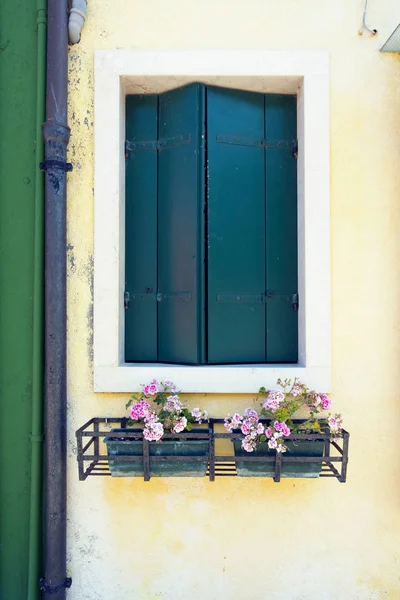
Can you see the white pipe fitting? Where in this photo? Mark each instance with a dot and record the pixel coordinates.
(77, 18)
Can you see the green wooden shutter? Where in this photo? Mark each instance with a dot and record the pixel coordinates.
(181, 190)
(141, 230)
(236, 226)
(281, 228)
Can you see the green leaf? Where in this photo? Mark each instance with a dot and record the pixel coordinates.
(130, 401)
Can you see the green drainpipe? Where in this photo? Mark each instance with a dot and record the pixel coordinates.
(35, 527)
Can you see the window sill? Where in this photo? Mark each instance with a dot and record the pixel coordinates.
(237, 379)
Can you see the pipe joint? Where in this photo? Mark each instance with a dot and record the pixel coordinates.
(41, 18)
(56, 137)
(77, 17)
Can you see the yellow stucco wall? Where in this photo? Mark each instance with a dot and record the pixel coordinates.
(181, 539)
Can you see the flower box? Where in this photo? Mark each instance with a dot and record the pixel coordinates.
(295, 448)
(170, 447)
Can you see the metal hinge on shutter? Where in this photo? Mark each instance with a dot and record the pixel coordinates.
(155, 296)
(259, 298)
(162, 144)
(240, 140)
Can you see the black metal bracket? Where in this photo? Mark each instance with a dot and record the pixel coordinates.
(55, 164)
(258, 298)
(333, 464)
(155, 296)
(53, 589)
(162, 144)
(262, 143)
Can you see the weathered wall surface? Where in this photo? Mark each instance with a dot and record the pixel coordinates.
(234, 539)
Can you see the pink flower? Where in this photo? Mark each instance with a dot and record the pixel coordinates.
(139, 410)
(335, 423)
(180, 424)
(260, 429)
(297, 389)
(153, 431)
(285, 429)
(325, 401)
(251, 414)
(153, 389)
(198, 415)
(272, 443)
(173, 404)
(233, 422)
(246, 427)
(248, 444)
(169, 385)
(269, 432)
(146, 390)
(237, 419)
(273, 400)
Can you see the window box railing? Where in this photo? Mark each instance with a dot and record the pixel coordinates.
(93, 459)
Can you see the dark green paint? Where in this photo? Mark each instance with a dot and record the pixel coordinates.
(18, 172)
(181, 191)
(35, 526)
(236, 227)
(141, 231)
(211, 262)
(168, 447)
(281, 230)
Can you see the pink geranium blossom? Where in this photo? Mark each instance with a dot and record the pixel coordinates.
(153, 431)
(179, 424)
(278, 409)
(233, 422)
(168, 414)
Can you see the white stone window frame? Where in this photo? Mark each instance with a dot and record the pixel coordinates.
(122, 72)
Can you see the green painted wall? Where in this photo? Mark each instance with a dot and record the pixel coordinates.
(17, 186)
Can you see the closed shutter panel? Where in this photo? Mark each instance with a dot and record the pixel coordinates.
(281, 228)
(141, 230)
(181, 190)
(236, 226)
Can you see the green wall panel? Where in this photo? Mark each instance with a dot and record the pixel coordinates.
(17, 182)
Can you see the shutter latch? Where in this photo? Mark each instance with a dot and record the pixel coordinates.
(126, 300)
(295, 302)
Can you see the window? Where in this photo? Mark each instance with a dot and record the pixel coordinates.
(211, 227)
(120, 73)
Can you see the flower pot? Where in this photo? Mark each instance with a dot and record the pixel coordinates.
(290, 469)
(166, 447)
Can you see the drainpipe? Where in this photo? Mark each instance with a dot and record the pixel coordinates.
(56, 136)
(37, 350)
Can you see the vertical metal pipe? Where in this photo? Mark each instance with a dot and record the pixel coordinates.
(38, 313)
(56, 136)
